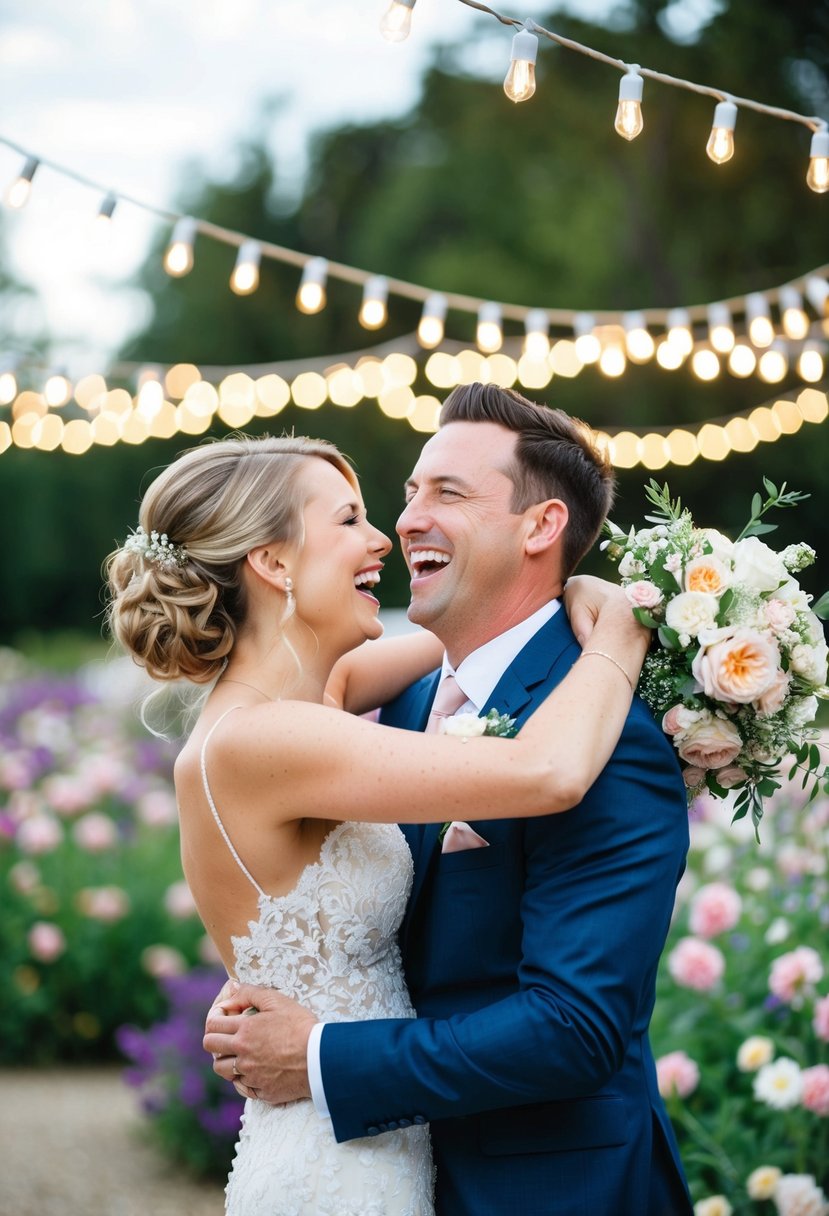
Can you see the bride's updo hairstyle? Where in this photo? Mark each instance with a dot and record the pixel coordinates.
(176, 594)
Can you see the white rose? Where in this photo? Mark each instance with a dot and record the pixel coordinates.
(464, 726)
(721, 547)
(801, 711)
(757, 566)
(810, 662)
(691, 612)
(792, 593)
(629, 566)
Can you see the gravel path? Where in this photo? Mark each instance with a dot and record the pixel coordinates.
(71, 1146)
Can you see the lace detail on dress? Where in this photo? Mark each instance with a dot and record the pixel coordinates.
(331, 943)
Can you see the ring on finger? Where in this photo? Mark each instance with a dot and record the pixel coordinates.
(235, 1070)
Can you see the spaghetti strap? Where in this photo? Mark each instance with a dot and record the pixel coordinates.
(212, 804)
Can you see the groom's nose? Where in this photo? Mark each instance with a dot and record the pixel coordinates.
(413, 519)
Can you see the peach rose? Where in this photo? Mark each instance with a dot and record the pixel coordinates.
(679, 719)
(771, 700)
(710, 743)
(643, 594)
(707, 574)
(730, 776)
(738, 668)
(693, 777)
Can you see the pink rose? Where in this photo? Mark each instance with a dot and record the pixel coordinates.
(738, 668)
(643, 594)
(163, 962)
(696, 964)
(676, 1073)
(794, 974)
(46, 941)
(157, 808)
(820, 1023)
(107, 904)
(680, 719)
(770, 701)
(710, 743)
(95, 833)
(815, 1096)
(779, 615)
(731, 776)
(693, 777)
(715, 908)
(67, 795)
(39, 834)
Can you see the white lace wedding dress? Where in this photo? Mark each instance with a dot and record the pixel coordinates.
(331, 944)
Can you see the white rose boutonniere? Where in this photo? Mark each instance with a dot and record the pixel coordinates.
(468, 726)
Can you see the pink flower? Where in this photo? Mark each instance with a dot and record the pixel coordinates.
(820, 1023)
(162, 962)
(696, 964)
(643, 594)
(779, 615)
(179, 902)
(730, 776)
(715, 908)
(710, 743)
(39, 834)
(107, 904)
(815, 1095)
(676, 1073)
(95, 833)
(770, 701)
(46, 941)
(67, 795)
(794, 974)
(738, 668)
(24, 877)
(157, 808)
(15, 773)
(103, 772)
(693, 777)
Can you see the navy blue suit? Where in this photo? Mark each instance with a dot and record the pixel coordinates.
(532, 965)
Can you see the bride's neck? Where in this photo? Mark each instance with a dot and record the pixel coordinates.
(282, 668)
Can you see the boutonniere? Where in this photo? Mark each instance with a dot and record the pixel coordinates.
(471, 726)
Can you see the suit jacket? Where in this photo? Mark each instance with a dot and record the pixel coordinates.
(532, 965)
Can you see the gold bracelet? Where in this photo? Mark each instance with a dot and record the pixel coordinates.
(604, 655)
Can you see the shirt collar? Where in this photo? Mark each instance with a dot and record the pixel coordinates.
(481, 670)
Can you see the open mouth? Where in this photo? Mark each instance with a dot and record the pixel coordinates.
(426, 562)
(365, 582)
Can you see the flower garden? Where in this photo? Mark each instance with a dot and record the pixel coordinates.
(103, 956)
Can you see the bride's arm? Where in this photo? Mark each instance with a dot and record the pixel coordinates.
(376, 672)
(294, 760)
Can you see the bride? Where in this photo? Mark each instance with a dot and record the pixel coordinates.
(252, 573)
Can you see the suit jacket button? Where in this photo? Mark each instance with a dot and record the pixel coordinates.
(420, 1119)
(383, 1127)
(404, 1123)
(392, 1125)
(373, 1131)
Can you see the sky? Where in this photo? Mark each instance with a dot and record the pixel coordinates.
(129, 93)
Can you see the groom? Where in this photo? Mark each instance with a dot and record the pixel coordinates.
(531, 961)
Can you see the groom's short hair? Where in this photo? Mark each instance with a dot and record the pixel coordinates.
(555, 457)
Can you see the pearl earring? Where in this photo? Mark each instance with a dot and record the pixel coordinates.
(290, 602)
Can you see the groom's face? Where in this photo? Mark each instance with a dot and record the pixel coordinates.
(463, 544)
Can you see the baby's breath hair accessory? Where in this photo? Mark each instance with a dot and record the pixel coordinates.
(156, 548)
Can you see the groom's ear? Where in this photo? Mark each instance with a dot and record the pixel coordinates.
(547, 521)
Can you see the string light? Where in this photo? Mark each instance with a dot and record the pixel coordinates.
(817, 293)
(57, 390)
(773, 363)
(679, 333)
(310, 296)
(18, 192)
(373, 312)
(720, 146)
(720, 328)
(629, 122)
(8, 387)
(817, 177)
(792, 315)
(245, 276)
(519, 84)
(705, 364)
(431, 327)
(536, 340)
(105, 211)
(489, 333)
(588, 347)
(178, 260)
(669, 355)
(638, 342)
(742, 360)
(810, 363)
(396, 22)
(758, 317)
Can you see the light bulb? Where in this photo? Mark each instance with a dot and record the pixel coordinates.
(489, 335)
(8, 387)
(810, 363)
(396, 22)
(310, 297)
(817, 177)
(519, 84)
(760, 328)
(373, 312)
(629, 121)
(536, 341)
(245, 277)
(679, 332)
(19, 190)
(640, 345)
(178, 260)
(742, 360)
(588, 346)
(720, 328)
(773, 363)
(612, 361)
(669, 355)
(794, 319)
(107, 207)
(817, 293)
(56, 390)
(720, 145)
(705, 364)
(430, 329)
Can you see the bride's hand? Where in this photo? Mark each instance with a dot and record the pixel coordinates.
(585, 596)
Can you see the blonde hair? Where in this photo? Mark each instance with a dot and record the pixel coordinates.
(218, 501)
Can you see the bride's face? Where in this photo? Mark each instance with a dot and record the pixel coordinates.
(339, 563)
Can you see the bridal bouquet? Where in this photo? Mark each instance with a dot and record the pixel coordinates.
(742, 658)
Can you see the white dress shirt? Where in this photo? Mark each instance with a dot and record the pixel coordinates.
(477, 676)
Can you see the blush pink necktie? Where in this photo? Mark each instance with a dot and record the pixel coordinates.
(450, 697)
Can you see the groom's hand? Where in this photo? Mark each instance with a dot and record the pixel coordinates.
(263, 1053)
